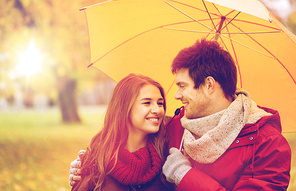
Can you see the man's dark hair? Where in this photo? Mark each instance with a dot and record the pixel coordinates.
(207, 58)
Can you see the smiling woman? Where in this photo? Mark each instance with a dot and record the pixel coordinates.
(128, 152)
(29, 61)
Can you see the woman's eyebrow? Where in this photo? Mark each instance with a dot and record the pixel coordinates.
(145, 99)
(149, 99)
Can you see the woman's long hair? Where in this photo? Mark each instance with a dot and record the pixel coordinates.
(105, 145)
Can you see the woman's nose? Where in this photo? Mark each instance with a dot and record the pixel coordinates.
(155, 109)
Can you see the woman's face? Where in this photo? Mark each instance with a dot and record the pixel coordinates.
(147, 112)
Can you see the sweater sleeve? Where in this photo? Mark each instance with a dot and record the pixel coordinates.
(269, 170)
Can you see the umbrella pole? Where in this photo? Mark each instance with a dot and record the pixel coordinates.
(218, 32)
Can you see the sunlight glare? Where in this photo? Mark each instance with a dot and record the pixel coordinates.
(30, 61)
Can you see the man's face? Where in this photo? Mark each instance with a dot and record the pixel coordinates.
(196, 101)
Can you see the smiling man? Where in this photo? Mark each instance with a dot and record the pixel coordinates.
(226, 141)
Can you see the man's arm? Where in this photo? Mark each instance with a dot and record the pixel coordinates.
(270, 170)
(75, 171)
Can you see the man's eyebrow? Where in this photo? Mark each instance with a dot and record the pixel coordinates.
(180, 83)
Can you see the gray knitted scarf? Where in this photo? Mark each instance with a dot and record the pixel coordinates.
(207, 138)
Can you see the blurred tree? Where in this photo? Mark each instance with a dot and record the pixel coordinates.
(60, 31)
(290, 20)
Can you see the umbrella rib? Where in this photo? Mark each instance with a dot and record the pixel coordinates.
(223, 43)
(159, 27)
(196, 8)
(253, 23)
(230, 21)
(246, 32)
(170, 87)
(272, 56)
(209, 15)
(234, 52)
(94, 5)
(261, 32)
(185, 30)
(248, 46)
(188, 15)
(254, 41)
(287, 71)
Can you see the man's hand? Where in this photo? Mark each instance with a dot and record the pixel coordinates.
(75, 170)
(176, 166)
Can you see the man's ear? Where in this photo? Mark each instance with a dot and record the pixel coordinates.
(210, 84)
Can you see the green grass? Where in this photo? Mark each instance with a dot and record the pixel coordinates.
(36, 148)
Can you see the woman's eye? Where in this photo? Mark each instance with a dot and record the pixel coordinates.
(146, 103)
(160, 103)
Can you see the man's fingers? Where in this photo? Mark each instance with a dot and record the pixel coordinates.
(75, 178)
(73, 170)
(72, 183)
(81, 153)
(75, 164)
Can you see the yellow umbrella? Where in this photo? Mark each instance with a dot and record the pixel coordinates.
(144, 36)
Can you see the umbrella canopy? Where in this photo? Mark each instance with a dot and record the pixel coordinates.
(144, 36)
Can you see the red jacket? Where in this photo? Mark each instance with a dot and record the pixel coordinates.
(259, 159)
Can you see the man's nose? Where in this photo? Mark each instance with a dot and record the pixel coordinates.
(178, 95)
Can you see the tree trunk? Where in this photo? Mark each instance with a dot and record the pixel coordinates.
(67, 101)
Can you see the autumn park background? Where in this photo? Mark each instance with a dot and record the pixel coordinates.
(51, 109)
